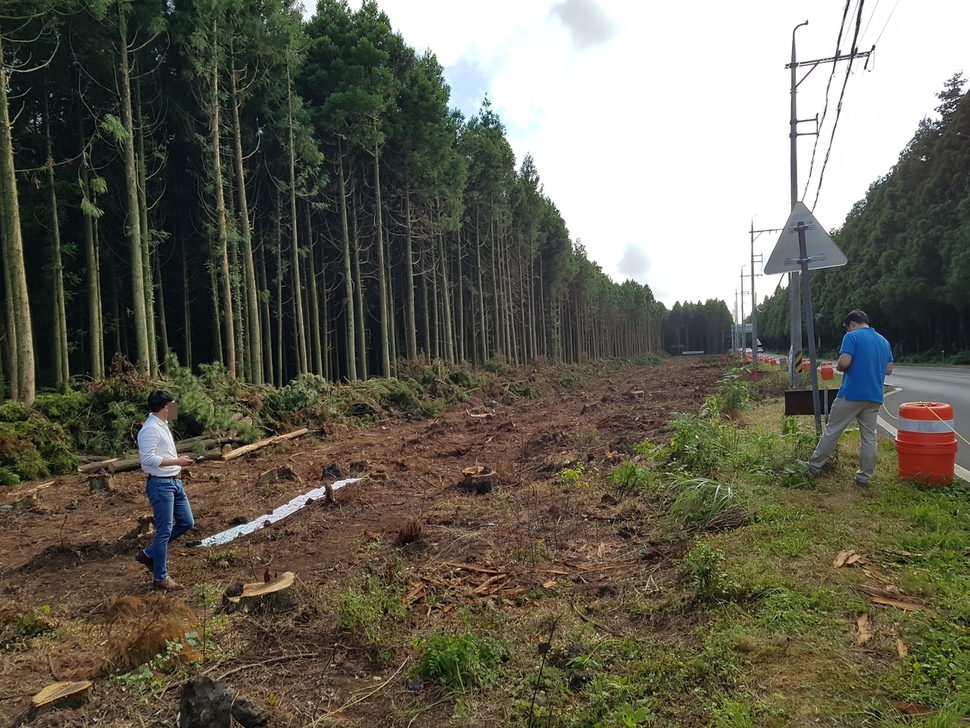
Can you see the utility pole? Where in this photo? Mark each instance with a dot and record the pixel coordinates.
(795, 281)
(754, 300)
(735, 331)
(743, 332)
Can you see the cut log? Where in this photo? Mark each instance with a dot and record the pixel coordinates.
(192, 444)
(123, 466)
(96, 466)
(246, 449)
(62, 694)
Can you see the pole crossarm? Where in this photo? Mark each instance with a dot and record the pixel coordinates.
(832, 59)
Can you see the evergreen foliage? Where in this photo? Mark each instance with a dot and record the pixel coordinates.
(908, 245)
(279, 197)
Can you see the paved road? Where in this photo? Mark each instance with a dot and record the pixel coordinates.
(932, 384)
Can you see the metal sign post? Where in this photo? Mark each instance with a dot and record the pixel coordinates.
(809, 323)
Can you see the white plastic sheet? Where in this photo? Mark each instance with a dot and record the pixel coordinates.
(282, 512)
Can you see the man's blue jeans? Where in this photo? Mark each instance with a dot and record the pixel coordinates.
(173, 517)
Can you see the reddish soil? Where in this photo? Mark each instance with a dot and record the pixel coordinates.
(72, 550)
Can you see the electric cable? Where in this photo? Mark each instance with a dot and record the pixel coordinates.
(838, 108)
(825, 108)
(895, 5)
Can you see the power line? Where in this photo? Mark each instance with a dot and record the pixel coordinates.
(838, 109)
(825, 108)
(887, 20)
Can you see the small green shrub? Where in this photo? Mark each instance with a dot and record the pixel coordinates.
(461, 661)
(701, 503)
(705, 573)
(369, 609)
(26, 626)
(699, 444)
(631, 476)
(573, 477)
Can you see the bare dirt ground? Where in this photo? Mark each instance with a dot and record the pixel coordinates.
(71, 550)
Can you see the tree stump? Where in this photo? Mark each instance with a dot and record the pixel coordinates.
(261, 595)
(479, 480)
(60, 696)
(101, 481)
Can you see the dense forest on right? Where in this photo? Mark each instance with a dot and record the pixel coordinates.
(908, 245)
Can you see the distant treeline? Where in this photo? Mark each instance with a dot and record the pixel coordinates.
(908, 245)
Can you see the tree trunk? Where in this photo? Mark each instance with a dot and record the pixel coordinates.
(348, 277)
(95, 321)
(162, 322)
(146, 243)
(360, 329)
(251, 328)
(265, 322)
(315, 342)
(225, 279)
(186, 303)
(131, 185)
(62, 373)
(410, 331)
(381, 270)
(301, 347)
(447, 329)
(280, 374)
(24, 387)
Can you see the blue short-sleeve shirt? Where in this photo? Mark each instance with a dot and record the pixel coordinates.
(870, 352)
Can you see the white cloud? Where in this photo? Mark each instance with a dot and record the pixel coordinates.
(586, 21)
(635, 263)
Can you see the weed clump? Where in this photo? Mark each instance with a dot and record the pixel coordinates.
(461, 661)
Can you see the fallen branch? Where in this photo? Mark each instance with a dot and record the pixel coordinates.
(469, 567)
(246, 449)
(489, 582)
(380, 687)
(30, 492)
(594, 623)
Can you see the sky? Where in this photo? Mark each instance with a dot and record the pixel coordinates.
(660, 130)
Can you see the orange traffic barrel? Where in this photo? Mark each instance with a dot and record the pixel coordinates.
(827, 372)
(925, 442)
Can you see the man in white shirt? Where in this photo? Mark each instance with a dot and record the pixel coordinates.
(170, 504)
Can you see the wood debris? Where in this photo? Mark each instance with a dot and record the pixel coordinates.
(901, 649)
(864, 627)
(892, 598)
(907, 708)
(846, 558)
(62, 694)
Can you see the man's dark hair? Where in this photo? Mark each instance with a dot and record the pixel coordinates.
(158, 399)
(856, 317)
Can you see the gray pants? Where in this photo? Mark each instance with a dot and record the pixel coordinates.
(841, 416)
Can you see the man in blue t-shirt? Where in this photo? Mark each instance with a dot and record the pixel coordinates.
(865, 360)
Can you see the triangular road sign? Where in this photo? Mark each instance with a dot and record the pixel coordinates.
(821, 250)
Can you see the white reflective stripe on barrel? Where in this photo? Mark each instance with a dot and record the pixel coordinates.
(925, 425)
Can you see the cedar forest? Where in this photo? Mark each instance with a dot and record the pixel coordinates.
(225, 182)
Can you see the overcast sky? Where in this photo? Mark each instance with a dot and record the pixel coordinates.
(660, 128)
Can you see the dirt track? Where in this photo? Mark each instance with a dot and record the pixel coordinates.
(72, 549)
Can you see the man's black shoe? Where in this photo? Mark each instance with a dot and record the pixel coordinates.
(145, 560)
